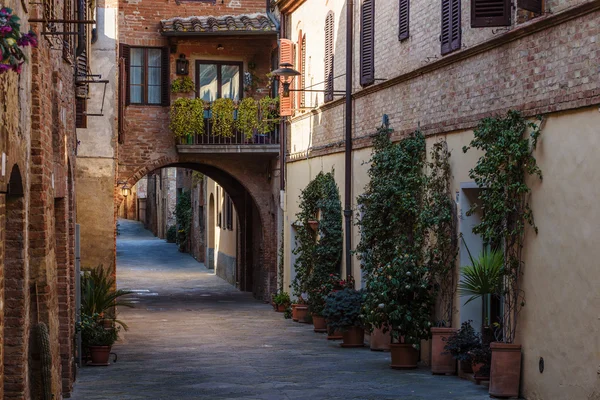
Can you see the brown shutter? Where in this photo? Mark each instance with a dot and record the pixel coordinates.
(300, 78)
(166, 77)
(125, 51)
(329, 32)
(80, 110)
(451, 30)
(403, 11)
(122, 90)
(367, 43)
(534, 6)
(486, 13)
(286, 55)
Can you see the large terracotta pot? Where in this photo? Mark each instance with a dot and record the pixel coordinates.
(380, 341)
(302, 313)
(505, 372)
(319, 323)
(100, 355)
(354, 336)
(280, 307)
(441, 363)
(334, 334)
(294, 312)
(404, 356)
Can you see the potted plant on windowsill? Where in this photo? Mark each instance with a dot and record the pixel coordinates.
(343, 311)
(96, 339)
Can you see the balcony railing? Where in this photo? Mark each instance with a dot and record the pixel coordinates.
(237, 138)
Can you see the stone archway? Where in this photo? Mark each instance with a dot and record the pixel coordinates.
(15, 345)
(249, 184)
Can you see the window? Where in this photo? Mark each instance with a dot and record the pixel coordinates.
(486, 13)
(219, 79)
(329, 29)
(367, 43)
(403, 19)
(301, 97)
(451, 30)
(147, 74)
(534, 6)
(80, 110)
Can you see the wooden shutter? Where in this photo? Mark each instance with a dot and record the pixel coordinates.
(122, 90)
(367, 43)
(301, 46)
(534, 6)
(125, 51)
(329, 32)
(286, 55)
(403, 17)
(80, 110)
(166, 78)
(451, 30)
(486, 13)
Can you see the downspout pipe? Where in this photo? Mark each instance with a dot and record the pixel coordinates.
(348, 136)
(272, 16)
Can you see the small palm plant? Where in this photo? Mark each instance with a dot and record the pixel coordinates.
(99, 295)
(483, 277)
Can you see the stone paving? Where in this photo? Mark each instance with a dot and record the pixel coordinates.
(193, 336)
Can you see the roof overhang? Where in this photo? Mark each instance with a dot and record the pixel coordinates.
(229, 25)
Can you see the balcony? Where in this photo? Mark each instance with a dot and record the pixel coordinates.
(237, 143)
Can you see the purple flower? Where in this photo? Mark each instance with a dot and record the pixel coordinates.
(5, 67)
(5, 30)
(5, 11)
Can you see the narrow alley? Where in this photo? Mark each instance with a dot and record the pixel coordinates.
(193, 336)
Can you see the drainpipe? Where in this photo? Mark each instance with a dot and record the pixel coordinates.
(272, 16)
(348, 152)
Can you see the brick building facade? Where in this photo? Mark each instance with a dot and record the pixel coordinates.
(542, 62)
(37, 208)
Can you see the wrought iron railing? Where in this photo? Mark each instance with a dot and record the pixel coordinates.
(236, 138)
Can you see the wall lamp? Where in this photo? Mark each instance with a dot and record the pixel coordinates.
(286, 74)
(125, 190)
(182, 65)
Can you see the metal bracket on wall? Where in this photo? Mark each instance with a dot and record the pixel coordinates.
(103, 81)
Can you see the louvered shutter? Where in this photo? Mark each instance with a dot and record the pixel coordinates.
(286, 55)
(367, 44)
(126, 55)
(122, 90)
(403, 17)
(80, 110)
(166, 77)
(486, 13)
(329, 26)
(531, 5)
(300, 79)
(451, 31)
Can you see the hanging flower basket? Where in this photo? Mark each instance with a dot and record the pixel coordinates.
(12, 41)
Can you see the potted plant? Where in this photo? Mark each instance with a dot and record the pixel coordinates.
(461, 344)
(12, 42)
(281, 301)
(96, 338)
(504, 168)
(99, 296)
(187, 119)
(343, 311)
(318, 296)
(223, 118)
(481, 358)
(247, 117)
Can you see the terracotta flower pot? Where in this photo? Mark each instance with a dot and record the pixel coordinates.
(294, 312)
(476, 371)
(302, 313)
(466, 367)
(319, 323)
(354, 336)
(404, 356)
(441, 363)
(505, 372)
(280, 307)
(100, 355)
(334, 334)
(380, 341)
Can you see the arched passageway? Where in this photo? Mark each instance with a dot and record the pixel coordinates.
(251, 194)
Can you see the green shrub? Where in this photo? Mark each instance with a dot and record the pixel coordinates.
(343, 309)
(172, 234)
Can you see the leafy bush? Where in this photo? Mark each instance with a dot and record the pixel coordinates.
(183, 216)
(462, 343)
(93, 332)
(187, 117)
(281, 298)
(172, 234)
(343, 309)
(247, 118)
(319, 294)
(182, 85)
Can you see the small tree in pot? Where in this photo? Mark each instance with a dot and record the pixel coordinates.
(343, 312)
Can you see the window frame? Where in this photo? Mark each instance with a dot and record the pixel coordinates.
(220, 63)
(145, 78)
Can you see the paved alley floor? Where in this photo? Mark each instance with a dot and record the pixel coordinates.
(193, 336)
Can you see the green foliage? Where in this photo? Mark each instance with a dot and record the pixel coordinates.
(439, 218)
(187, 117)
(281, 298)
(333, 283)
(247, 117)
(100, 296)
(172, 234)
(12, 41)
(197, 177)
(483, 277)
(183, 216)
(319, 252)
(463, 342)
(507, 144)
(343, 308)
(222, 117)
(393, 229)
(93, 332)
(182, 85)
(269, 114)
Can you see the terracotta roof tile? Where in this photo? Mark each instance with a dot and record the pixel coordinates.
(229, 24)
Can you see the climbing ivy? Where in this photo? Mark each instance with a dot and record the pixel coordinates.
(319, 252)
(507, 144)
